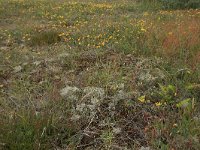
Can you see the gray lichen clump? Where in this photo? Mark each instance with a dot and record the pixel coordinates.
(71, 93)
(86, 101)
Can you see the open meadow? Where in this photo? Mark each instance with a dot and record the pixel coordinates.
(99, 74)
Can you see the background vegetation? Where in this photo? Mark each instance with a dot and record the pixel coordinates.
(99, 74)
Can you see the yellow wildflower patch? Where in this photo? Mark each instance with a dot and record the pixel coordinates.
(141, 99)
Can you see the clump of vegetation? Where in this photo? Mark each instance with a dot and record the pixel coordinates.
(44, 38)
(169, 4)
(26, 130)
(181, 4)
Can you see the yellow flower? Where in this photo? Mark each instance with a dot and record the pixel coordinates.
(61, 34)
(146, 14)
(141, 99)
(144, 30)
(158, 104)
(170, 33)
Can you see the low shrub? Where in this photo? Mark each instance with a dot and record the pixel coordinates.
(44, 38)
(180, 4)
(171, 4)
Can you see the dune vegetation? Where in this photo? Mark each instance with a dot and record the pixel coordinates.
(100, 74)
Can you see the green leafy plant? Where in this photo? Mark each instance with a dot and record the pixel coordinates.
(167, 93)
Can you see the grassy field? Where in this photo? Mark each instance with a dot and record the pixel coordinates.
(91, 74)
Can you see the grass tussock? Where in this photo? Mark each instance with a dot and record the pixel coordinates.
(44, 38)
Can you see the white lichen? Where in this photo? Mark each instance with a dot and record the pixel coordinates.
(69, 92)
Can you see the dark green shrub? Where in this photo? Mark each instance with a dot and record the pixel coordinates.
(180, 4)
(44, 38)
